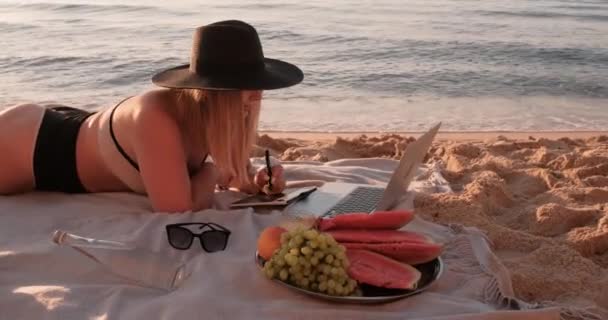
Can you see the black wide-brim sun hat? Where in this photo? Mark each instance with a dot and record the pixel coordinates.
(228, 55)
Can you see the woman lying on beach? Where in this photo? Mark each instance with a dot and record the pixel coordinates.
(156, 143)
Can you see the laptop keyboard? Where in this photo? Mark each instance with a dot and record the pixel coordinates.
(362, 199)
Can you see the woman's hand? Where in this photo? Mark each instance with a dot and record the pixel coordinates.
(278, 180)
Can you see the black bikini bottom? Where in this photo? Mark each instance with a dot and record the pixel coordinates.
(55, 152)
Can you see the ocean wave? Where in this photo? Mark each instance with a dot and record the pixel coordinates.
(274, 34)
(260, 6)
(581, 7)
(16, 27)
(540, 14)
(476, 83)
(464, 52)
(51, 63)
(82, 7)
(521, 53)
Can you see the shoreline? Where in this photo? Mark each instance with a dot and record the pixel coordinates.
(441, 136)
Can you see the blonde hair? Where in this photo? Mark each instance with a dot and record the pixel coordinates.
(220, 120)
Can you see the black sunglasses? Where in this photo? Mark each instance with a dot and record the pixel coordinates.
(212, 240)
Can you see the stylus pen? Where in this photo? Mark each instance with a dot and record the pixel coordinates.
(268, 169)
(304, 194)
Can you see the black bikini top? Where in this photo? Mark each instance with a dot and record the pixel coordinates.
(118, 147)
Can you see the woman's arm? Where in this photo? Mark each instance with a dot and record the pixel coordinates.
(162, 161)
(203, 186)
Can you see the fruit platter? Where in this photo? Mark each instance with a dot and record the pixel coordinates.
(350, 258)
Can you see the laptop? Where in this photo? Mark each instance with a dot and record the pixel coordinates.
(336, 198)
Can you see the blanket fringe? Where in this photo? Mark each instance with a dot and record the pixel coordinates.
(493, 295)
(460, 248)
(588, 313)
(580, 312)
(461, 259)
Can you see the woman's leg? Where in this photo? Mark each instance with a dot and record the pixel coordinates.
(18, 132)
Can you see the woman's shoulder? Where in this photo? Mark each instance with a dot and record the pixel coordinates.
(154, 102)
(154, 99)
(153, 109)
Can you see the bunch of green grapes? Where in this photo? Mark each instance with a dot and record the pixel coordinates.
(311, 260)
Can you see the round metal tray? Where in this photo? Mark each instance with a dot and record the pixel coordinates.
(431, 271)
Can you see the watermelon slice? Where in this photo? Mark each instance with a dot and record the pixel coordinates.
(377, 220)
(378, 236)
(380, 271)
(407, 252)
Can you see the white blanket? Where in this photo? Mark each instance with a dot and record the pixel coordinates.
(40, 280)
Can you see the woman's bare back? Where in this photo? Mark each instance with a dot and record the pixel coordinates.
(99, 163)
(19, 128)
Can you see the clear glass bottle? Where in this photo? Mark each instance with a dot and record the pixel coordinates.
(125, 260)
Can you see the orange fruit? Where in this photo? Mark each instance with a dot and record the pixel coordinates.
(269, 241)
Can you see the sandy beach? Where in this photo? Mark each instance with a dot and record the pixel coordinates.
(541, 197)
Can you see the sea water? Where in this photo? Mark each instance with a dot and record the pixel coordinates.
(382, 65)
